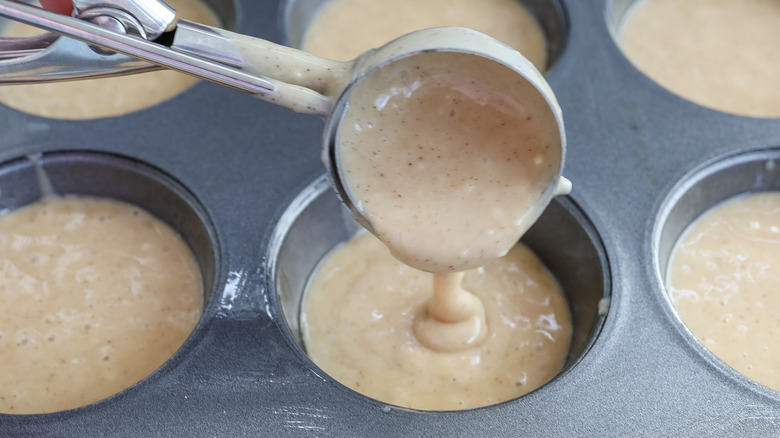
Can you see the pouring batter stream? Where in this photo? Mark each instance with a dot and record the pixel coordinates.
(450, 160)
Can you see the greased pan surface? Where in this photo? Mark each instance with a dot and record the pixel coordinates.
(642, 161)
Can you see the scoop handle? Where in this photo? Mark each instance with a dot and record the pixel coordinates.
(263, 58)
(248, 74)
(296, 72)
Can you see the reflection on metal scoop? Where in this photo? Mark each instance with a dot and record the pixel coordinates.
(278, 74)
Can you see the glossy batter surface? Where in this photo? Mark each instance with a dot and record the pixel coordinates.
(446, 154)
(361, 306)
(724, 278)
(95, 98)
(94, 295)
(722, 54)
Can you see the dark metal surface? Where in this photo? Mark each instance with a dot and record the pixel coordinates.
(631, 148)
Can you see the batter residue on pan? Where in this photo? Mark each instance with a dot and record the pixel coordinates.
(358, 326)
(722, 54)
(95, 294)
(344, 29)
(94, 98)
(723, 278)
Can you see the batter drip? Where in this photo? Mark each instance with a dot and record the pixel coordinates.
(454, 319)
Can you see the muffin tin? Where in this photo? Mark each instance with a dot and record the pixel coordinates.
(242, 180)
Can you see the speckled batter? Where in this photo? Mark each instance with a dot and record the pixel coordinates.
(343, 29)
(446, 154)
(94, 295)
(724, 278)
(362, 304)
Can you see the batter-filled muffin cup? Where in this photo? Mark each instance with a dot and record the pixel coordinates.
(109, 97)
(107, 265)
(721, 55)
(342, 29)
(716, 247)
(563, 240)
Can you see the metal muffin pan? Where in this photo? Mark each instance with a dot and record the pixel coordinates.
(639, 158)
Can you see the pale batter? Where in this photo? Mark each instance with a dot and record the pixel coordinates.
(94, 295)
(362, 304)
(446, 153)
(722, 54)
(449, 156)
(94, 98)
(724, 277)
(343, 29)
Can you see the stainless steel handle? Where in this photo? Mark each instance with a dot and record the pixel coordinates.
(11, 48)
(301, 95)
(153, 16)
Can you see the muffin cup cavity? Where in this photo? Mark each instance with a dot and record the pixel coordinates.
(563, 239)
(616, 13)
(26, 180)
(295, 16)
(706, 186)
(88, 173)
